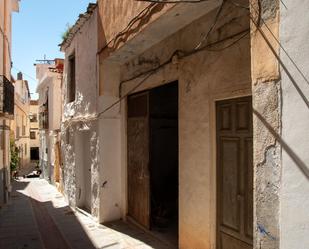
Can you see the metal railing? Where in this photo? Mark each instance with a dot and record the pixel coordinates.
(6, 96)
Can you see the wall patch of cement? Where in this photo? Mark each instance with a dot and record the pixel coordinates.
(266, 91)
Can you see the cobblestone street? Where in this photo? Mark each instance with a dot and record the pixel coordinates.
(35, 203)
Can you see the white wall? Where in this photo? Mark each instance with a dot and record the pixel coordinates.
(84, 47)
(294, 214)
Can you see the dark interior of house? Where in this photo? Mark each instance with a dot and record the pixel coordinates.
(163, 111)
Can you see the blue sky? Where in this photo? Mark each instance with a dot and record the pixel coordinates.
(37, 31)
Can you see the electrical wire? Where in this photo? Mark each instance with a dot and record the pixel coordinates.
(275, 38)
(173, 1)
(153, 71)
(232, 44)
(129, 25)
(18, 70)
(181, 54)
(205, 38)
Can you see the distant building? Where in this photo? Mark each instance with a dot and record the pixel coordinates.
(6, 94)
(49, 75)
(34, 131)
(21, 124)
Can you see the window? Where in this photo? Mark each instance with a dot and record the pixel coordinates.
(71, 86)
(32, 135)
(17, 132)
(23, 127)
(25, 149)
(33, 118)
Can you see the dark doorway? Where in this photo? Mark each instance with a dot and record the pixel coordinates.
(235, 174)
(34, 153)
(153, 160)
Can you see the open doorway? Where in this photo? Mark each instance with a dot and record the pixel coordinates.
(153, 160)
(83, 169)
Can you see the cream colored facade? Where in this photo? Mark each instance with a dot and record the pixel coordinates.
(21, 124)
(34, 131)
(7, 7)
(216, 52)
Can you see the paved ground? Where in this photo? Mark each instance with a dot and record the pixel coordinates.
(39, 218)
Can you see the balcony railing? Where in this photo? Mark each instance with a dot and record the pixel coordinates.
(6, 96)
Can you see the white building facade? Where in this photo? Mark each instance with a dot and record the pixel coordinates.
(49, 77)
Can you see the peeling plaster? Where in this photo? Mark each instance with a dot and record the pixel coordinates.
(267, 104)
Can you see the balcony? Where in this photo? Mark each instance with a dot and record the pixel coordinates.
(6, 96)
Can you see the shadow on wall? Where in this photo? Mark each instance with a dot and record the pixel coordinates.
(297, 160)
(284, 67)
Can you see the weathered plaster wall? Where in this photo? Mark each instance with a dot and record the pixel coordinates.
(203, 78)
(84, 47)
(110, 23)
(122, 39)
(266, 91)
(69, 169)
(294, 215)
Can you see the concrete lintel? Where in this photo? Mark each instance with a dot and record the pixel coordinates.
(169, 23)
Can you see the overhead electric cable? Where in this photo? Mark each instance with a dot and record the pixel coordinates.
(173, 1)
(27, 75)
(181, 54)
(281, 46)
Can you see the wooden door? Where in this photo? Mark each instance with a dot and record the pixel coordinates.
(138, 159)
(234, 174)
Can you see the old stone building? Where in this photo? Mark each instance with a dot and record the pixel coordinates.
(189, 119)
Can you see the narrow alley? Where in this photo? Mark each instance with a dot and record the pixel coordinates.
(39, 218)
(156, 124)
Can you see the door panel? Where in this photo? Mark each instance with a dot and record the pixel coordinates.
(230, 208)
(234, 174)
(138, 159)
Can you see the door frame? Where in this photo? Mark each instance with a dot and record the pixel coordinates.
(125, 129)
